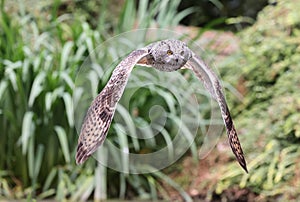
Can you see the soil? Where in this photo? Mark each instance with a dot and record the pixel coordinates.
(199, 179)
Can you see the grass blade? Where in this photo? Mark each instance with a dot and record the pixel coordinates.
(49, 179)
(100, 175)
(66, 52)
(69, 108)
(124, 148)
(62, 137)
(38, 160)
(3, 86)
(27, 130)
(130, 126)
(37, 88)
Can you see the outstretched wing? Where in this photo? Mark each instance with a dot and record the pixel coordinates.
(212, 84)
(99, 116)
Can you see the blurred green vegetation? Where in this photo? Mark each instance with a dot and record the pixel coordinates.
(41, 50)
(267, 74)
(218, 12)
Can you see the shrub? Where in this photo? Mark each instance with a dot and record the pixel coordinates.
(267, 74)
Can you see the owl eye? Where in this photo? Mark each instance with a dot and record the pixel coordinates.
(169, 52)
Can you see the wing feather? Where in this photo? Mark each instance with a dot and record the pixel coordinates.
(212, 84)
(99, 115)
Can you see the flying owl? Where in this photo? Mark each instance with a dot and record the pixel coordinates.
(167, 56)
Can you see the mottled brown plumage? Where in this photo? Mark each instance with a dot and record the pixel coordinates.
(212, 84)
(99, 116)
(166, 55)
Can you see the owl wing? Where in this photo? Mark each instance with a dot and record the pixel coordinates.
(99, 115)
(212, 84)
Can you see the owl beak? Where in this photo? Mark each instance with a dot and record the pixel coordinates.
(186, 66)
(144, 62)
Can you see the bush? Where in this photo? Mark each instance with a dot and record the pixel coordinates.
(267, 74)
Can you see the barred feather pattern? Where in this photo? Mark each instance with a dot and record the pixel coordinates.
(99, 115)
(230, 129)
(212, 84)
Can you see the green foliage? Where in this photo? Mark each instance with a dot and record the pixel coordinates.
(269, 74)
(36, 87)
(41, 52)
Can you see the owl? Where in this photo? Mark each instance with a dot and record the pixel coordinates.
(167, 56)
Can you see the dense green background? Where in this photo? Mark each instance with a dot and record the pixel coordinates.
(42, 46)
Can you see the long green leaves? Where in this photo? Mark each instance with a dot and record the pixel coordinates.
(28, 128)
(63, 142)
(40, 58)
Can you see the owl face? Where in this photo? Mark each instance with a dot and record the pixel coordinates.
(168, 55)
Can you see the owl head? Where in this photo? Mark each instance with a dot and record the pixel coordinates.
(168, 55)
